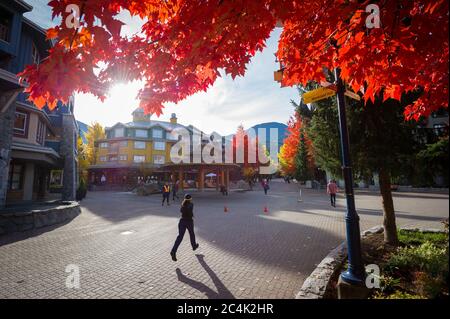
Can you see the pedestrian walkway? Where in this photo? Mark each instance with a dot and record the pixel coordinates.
(121, 244)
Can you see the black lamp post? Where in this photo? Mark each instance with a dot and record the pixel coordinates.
(355, 274)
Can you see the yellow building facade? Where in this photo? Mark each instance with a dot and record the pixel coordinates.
(140, 150)
(137, 149)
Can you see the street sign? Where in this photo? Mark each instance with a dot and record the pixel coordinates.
(328, 85)
(317, 95)
(352, 95)
(278, 76)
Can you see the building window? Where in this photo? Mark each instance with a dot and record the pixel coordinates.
(16, 177)
(113, 158)
(119, 132)
(123, 157)
(141, 133)
(56, 178)
(21, 124)
(139, 145)
(139, 159)
(104, 145)
(36, 58)
(40, 134)
(157, 133)
(5, 25)
(102, 158)
(123, 144)
(159, 159)
(159, 146)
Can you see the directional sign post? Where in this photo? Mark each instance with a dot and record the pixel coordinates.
(327, 90)
(352, 95)
(317, 95)
(355, 274)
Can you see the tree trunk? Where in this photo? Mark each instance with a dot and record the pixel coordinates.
(390, 228)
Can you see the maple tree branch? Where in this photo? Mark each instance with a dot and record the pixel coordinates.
(77, 29)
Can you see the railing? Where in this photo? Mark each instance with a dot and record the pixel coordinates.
(4, 33)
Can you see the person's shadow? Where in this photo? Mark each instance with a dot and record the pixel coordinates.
(222, 291)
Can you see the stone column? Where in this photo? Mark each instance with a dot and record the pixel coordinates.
(181, 178)
(68, 152)
(173, 177)
(201, 179)
(28, 182)
(7, 115)
(217, 178)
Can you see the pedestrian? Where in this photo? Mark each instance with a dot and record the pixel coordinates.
(224, 190)
(175, 190)
(265, 185)
(186, 222)
(166, 194)
(332, 189)
(103, 179)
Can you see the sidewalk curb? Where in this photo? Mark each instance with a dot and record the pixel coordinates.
(315, 286)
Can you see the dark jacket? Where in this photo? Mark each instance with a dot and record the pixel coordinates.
(187, 211)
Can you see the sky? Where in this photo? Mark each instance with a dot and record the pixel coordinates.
(249, 100)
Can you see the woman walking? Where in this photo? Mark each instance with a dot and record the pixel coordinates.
(186, 222)
(332, 189)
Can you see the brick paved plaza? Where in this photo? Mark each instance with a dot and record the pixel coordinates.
(121, 243)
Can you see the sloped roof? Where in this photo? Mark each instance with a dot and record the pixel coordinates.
(151, 124)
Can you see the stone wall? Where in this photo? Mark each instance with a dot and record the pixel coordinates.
(34, 219)
(68, 147)
(315, 286)
(6, 131)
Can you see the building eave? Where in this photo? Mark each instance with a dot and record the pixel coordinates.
(35, 26)
(34, 149)
(11, 78)
(25, 7)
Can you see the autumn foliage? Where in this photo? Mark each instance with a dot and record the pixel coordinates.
(184, 43)
(291, 146)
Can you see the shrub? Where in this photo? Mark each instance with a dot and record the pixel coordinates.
(429, 286)
(398, 295)
(426, 257)
(389, 284)
(414, 238)
(81, 191)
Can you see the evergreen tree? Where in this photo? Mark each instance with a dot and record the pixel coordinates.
(380, 142)
(302, 160)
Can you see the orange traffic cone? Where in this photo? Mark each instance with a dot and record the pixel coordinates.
(266, 210)
(225, 209)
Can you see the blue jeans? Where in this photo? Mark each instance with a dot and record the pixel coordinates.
(182, 226)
